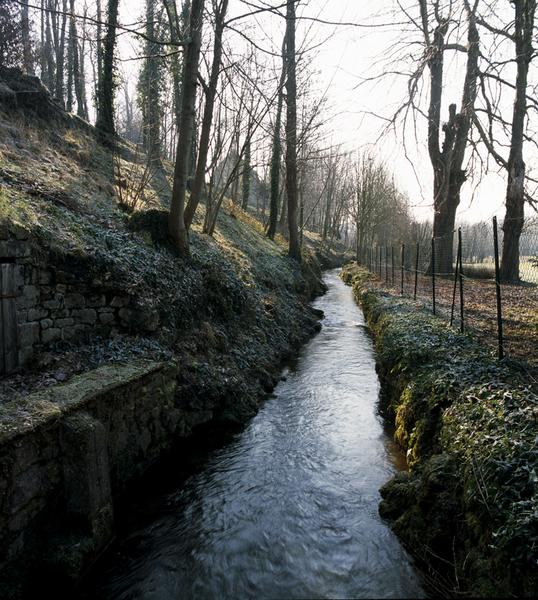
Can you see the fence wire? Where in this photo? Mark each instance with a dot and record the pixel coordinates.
(455, 277)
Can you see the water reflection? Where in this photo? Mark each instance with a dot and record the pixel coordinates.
(287, 509)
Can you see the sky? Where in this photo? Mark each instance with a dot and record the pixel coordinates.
(349, 54)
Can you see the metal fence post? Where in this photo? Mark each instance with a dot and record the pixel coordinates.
(403, 266)
(433, 274)
(392, 256)
(498, 289)
(380, 261)
(416, 271)
(460, 244)
(455, 283)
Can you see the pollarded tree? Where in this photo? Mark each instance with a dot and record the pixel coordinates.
(447, 158)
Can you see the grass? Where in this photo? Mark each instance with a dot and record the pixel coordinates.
(238, 288)
(468, 424)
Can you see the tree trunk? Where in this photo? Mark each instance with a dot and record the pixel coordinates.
(28, 62)
(447, 163)
(276, 154)
(207, 118)
(246, 173)
(176, 222)
(71, 50)
(47, 51)
(515, 192)
(150, 90)
(60, 55)
(105, 115)
(291, 133)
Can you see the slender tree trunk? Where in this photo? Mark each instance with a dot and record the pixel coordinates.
(247, 173)
(71, 50)
(515, 192)
(276, 154)
(105, 115)
(150, 85)
(207, 119)
(82, 110)
(49, 58)
(28, 62)
(60, 54)
(291, 133)
(176, 222)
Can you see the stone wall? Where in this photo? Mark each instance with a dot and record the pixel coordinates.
(66, 451)
(54, 304)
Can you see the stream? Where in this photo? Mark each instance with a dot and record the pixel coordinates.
(288, 507)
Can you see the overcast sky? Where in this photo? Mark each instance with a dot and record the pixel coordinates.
(349, 54)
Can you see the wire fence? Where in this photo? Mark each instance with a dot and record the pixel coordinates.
(458, 277)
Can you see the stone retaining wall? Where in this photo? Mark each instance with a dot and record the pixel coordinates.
(55, 305)
(65, 452)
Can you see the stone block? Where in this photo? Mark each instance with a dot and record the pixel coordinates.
(36, 314)
(45, 277)
(96, 301)
(20, 278)
(73, 332)
(61, 288)
(106, 318)
(28, 334)
(55, 303)
(75, 301)
(14, 249)
(119, 301)
(65, 322)
(22, 316)
(47, 323)
(85, 315)
(51, 335)
(87, 488)
(26, 354)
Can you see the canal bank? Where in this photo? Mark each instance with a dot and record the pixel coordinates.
(468, 507)
(288, 507)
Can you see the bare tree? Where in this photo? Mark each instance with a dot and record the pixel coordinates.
(515, 191)
(176, 222)
(291, 132)
(220, 8)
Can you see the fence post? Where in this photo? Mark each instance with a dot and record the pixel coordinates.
(386, 264)
(433, 274)
(498, 289)
(380, 261)
(392, 256)
(416, 271)
(403, 266)
(455, 284)
(460, 244)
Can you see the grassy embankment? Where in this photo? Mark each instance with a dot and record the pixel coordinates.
(468, 507)
(229, 314)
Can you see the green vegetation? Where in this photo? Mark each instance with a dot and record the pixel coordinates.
(468, 508)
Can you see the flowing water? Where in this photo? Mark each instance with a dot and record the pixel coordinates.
(288, 507)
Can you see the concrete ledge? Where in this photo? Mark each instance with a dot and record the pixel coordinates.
(65, 451)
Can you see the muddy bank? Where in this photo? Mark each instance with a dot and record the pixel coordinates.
(468, 508)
